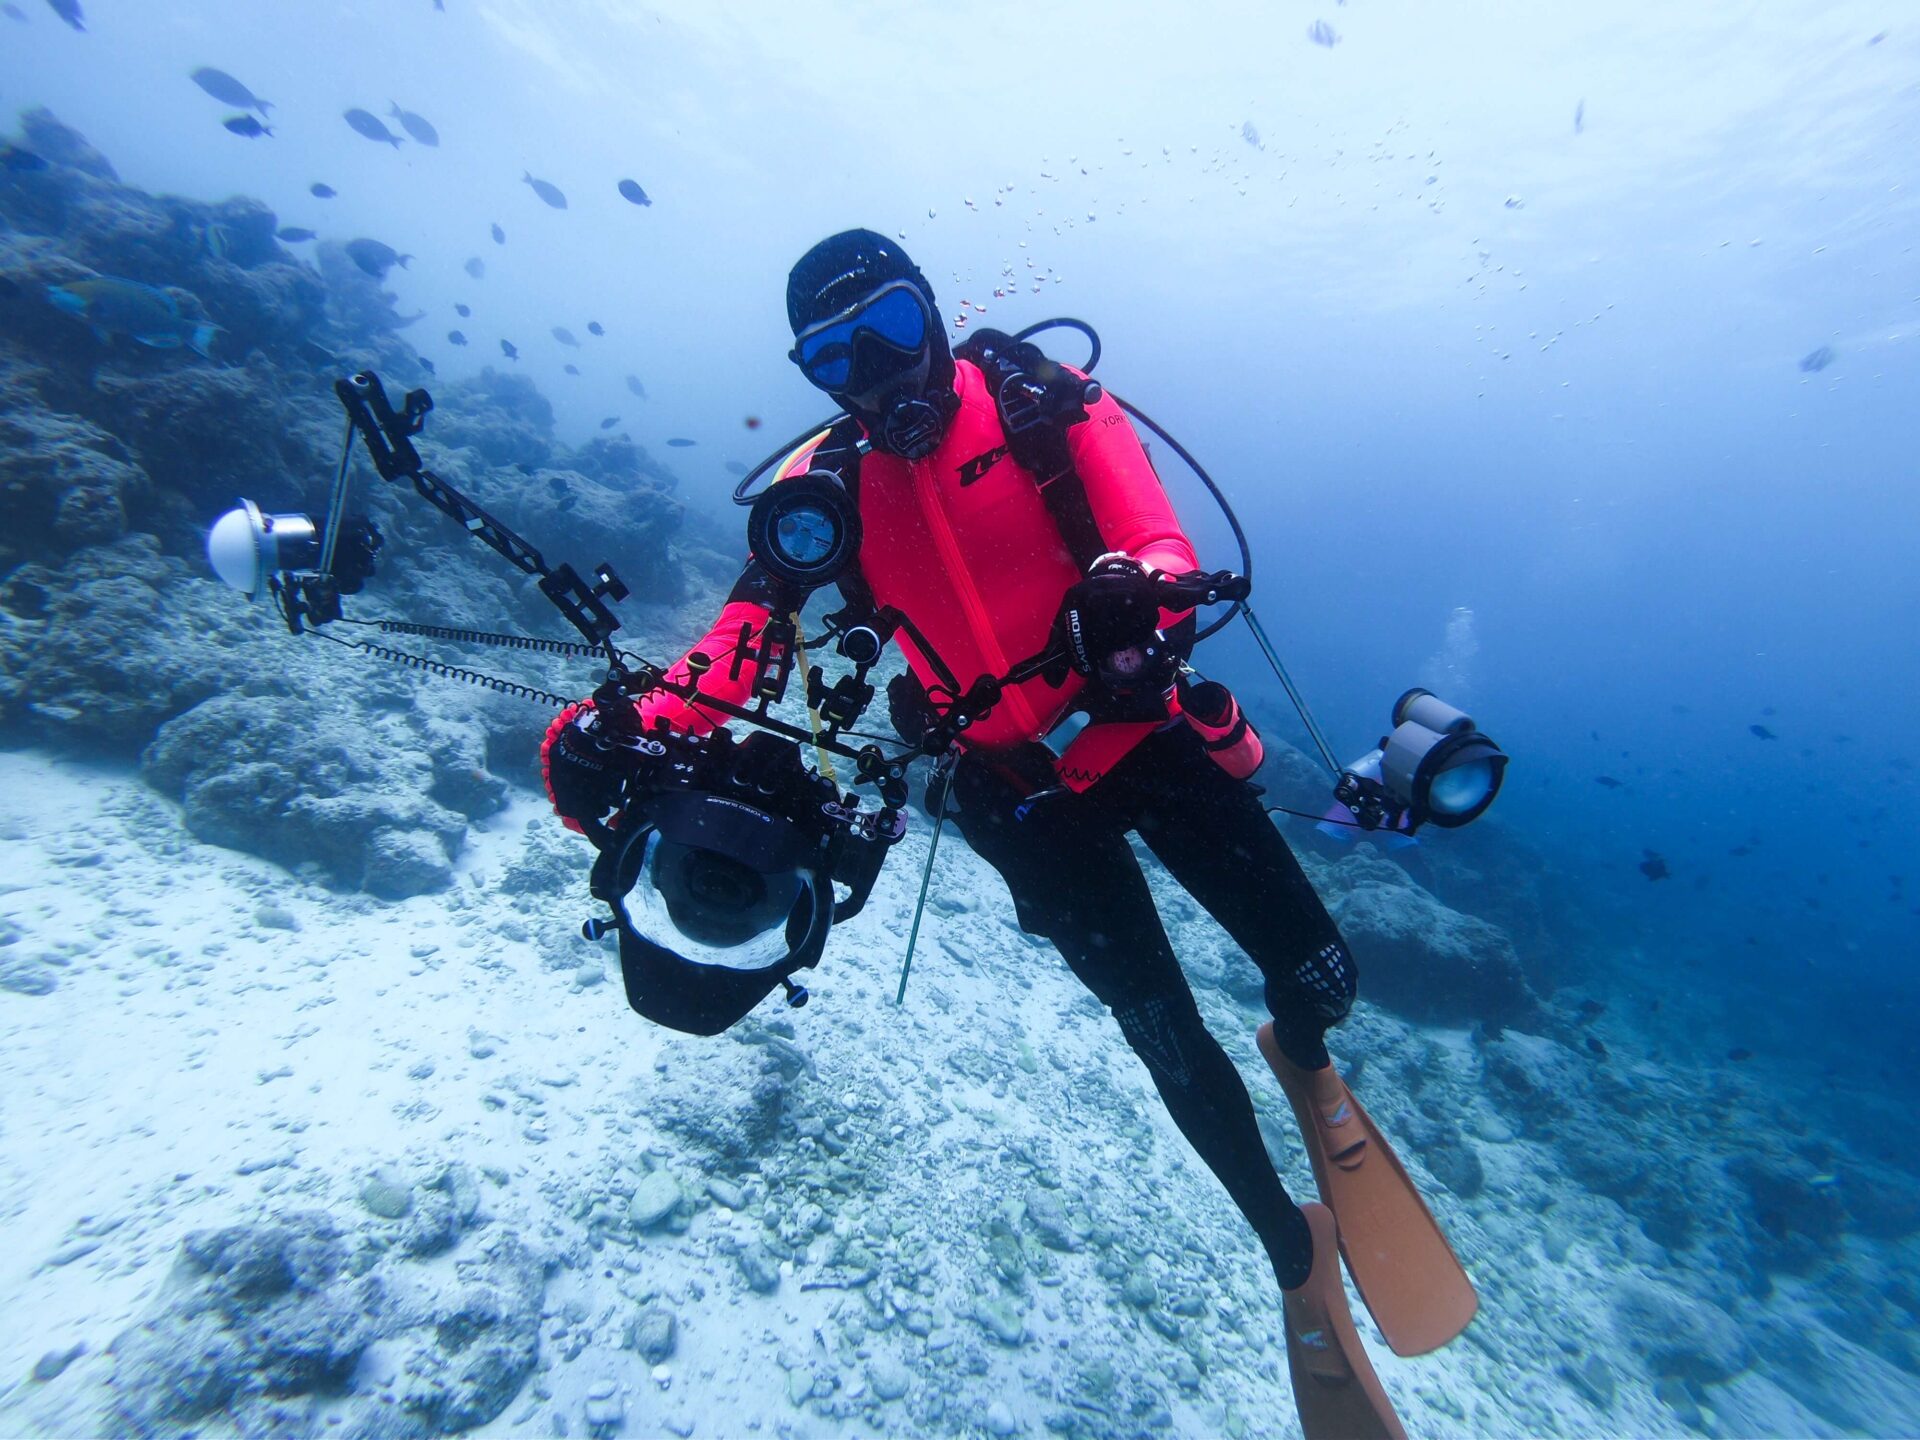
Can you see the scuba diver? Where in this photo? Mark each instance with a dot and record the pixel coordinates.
(1002, 503)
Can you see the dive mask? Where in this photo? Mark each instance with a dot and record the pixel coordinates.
(868, 344)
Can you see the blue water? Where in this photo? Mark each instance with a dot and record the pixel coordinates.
(1490, 323)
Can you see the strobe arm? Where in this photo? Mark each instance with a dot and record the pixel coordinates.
(388, 435)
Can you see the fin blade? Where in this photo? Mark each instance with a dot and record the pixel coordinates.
(1407, 1274)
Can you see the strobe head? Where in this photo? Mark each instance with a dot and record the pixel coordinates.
(805, 529)
(246, 546)
(1434, 768)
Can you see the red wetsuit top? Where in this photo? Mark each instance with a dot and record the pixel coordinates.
(962, 543)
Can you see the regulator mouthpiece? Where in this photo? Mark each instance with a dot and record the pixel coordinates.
(1433, 768)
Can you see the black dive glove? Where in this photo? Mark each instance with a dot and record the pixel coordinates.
(584, 773)
(1102, 618)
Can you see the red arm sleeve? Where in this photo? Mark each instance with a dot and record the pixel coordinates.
(1128, 502)
(717, 645)
(754, 597)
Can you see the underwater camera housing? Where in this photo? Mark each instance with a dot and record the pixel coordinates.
(721, 877)
(307, 566)
(1433, 768)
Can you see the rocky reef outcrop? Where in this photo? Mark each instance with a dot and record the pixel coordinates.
(115, 455)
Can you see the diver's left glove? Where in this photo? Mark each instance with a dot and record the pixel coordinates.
(1112, 613)
(583, 772)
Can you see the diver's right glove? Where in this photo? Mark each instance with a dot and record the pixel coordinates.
(584, 775)
(1112, 615)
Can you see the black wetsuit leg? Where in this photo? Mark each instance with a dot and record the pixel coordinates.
(1214, 836)
(1075, 882)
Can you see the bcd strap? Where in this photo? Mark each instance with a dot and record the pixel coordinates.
(1039, 401)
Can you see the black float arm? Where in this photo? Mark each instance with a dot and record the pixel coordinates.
(389, 439)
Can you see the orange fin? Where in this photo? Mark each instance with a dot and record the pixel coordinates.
(1403, 1267)
(1334, 1387)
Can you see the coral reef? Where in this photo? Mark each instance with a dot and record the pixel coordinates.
(115, 456)
(265, 1321)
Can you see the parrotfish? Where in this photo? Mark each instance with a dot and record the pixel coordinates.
(126, 307)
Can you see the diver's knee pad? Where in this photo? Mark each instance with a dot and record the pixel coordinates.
(1159, 1028)
(1326, 981)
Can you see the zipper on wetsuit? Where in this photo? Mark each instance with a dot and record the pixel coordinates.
(926, 491)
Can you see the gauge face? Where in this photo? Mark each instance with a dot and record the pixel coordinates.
(806, 534)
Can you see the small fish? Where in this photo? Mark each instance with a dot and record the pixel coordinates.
(1739, 1054)
(1761, 732)
(1768, 711)
(1592, 1010)
(571, 369)
(245, 125)
(1824, 1181)
(454, 337)
(680, 444)
(463, 311)
(594, 327)
(367, 124)
(609, 422)
(375, 258)
(1608, 782)
(1594, 1044)
(752, 422)
(227, 90)
(1740, 852)
(403, 321)
(735, 468)
(294, 234)
(558, 484)
(1870, 43)
(214, 240)
(13, 158)
(414, 125)
(426, 365)
(499, 236)
(1321, 33)
(1580, 117)
(1814, 361)
(630, 190)
(633, 384)
(69, 11)
(321, 191)
(1250, 135)
(476, 267)
(547, 192)
(126, 307)
(1654, 868)
(507, 349)
(565, 336)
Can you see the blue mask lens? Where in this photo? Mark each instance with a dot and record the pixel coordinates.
(897, 319)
